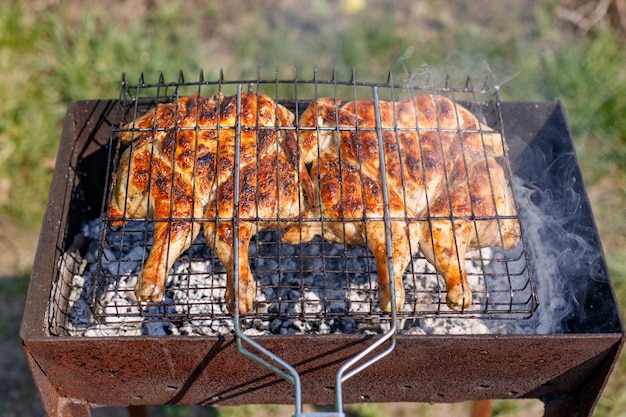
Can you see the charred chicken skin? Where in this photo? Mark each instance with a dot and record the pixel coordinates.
(179, 170)
(447, 194)
(274, 186)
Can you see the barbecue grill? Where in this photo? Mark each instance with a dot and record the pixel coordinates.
(544, 322)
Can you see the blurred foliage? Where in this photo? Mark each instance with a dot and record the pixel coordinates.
(10, 289)
(56, 51)
(53, 57)
(591, 82)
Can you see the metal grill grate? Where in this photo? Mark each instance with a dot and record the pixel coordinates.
(316, 287)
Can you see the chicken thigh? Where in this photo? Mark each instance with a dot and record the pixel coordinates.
(274, 186)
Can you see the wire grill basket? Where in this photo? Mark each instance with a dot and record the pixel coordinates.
(317, 286)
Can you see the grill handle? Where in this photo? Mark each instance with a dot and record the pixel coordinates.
(272, 361)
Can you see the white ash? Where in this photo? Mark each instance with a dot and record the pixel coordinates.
(318, 288)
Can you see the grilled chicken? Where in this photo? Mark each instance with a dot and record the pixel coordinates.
(167, 173)
(179, 168)
(447, 194)
(274, 186)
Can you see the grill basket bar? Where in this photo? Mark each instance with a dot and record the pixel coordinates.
(285, 370)
(344, 372)
(288, 372)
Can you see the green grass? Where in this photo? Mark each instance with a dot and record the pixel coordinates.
(48, 61)
(54, 53)
(11, 290)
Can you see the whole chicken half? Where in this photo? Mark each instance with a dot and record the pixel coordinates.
(179, 169)
(447, 194)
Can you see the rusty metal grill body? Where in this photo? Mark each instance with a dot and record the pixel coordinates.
(336, 311)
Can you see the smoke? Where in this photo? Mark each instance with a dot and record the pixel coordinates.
(566, 257)
(454, 71)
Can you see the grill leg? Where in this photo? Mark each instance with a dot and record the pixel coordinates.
(53, 403)
(482, 408)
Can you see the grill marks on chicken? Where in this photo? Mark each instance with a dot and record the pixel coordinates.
(178, 170)
(274, 189)
(447, 193)
(158, 178)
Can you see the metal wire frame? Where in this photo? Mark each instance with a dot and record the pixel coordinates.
(522, 300)
(425, 302)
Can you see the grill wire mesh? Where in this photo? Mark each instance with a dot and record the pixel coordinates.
(314, 287)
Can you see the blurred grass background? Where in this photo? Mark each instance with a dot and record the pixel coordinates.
(54, 51)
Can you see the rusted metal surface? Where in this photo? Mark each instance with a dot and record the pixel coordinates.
(567, 370)
(421, 369)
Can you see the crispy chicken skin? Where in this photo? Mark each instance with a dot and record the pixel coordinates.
(167, 173)
(446, 190)
(178, 170)
(274, 186)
